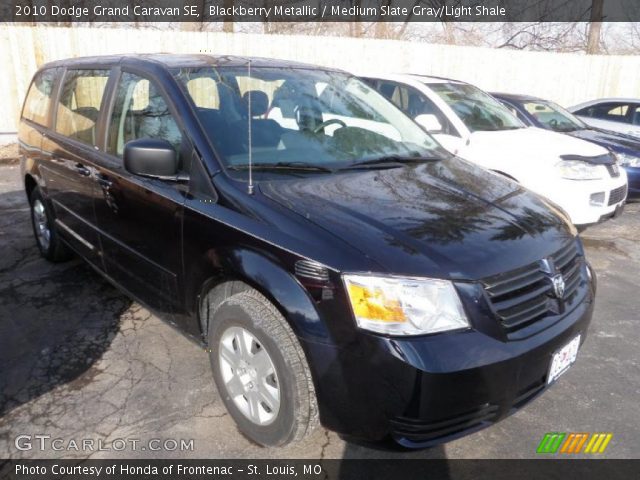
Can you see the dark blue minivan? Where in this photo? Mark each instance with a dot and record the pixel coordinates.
(337, 264)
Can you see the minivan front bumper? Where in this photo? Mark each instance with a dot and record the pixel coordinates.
(422, 391)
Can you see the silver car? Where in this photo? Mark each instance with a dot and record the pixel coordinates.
(616, 114)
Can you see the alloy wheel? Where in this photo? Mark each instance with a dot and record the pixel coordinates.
(249, 375)
(41, 224)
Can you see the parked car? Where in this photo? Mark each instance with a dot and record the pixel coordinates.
(616, 114)
(536, 112)
(379, 285)
(578, 176)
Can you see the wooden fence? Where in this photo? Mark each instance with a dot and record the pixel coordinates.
(566, 78)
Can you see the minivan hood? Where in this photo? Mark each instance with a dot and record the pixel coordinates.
(531, 143)
(445, 219)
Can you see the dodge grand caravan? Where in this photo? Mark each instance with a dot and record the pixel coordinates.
(338, 265)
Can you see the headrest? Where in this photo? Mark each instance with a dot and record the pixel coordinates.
(387, 89)
(308, 117)
(286, 98)
(259, 102)
(417, 106)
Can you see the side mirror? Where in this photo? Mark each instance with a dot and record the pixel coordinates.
(429, 122)
(150, 157)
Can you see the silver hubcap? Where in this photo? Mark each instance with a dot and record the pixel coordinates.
(249, 375)
(43, 234)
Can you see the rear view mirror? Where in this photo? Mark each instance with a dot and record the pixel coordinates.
(429, 122)
(151, 157)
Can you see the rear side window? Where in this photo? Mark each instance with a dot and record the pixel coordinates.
(36, 106)
(79, 104)
(636, 114)
(616, 112)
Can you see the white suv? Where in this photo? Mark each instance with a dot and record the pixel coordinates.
(579, 176)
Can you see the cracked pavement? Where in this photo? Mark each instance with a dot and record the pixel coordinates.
(79, 360)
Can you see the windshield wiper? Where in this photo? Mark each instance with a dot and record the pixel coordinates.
(567, 129)
(296, 166)
(390, 161)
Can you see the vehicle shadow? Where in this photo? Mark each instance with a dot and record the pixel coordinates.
(56, 320)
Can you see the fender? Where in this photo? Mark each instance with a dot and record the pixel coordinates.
(271, 278)
(30, 174)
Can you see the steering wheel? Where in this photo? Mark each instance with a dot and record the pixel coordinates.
(553, 122)
(326, 123)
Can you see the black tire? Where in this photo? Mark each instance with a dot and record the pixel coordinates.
(54, 250)
(297, 415)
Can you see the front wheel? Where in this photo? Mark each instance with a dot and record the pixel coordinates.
(261, 371)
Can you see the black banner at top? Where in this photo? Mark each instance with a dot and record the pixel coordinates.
(64, 11)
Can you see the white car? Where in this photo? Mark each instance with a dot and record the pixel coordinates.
(617, 114)
(579, 176)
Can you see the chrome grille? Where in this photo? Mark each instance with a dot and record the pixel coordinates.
(525, 295)
(617, 195)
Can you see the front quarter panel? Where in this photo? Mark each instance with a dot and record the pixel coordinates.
(221, 244)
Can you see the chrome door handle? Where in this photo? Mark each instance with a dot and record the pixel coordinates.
(104, 181)
(82, 170)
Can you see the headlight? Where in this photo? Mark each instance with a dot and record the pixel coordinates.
(627, 160)
(404, 306)
(577, 170)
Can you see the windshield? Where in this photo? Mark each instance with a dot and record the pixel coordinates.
(553, 116)
(307, 120)
(476, 109)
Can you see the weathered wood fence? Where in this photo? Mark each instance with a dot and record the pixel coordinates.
(565, 78)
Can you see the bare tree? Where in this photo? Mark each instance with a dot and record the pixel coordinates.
(595, 26)
(545, 36)
(227, 25)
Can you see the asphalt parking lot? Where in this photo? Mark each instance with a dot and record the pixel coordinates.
(78, 360)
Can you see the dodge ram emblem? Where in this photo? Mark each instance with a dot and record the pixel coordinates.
(558, 285)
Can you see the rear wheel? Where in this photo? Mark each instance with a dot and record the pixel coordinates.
(261, 371)
(49, 244)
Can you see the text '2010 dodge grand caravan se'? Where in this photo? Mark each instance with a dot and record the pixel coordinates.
(337, 262)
